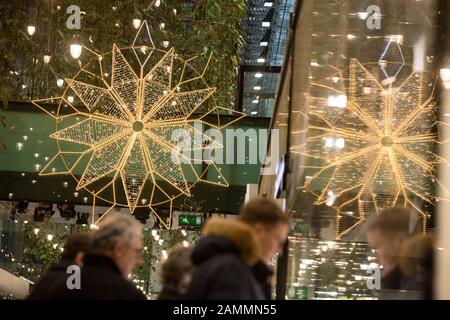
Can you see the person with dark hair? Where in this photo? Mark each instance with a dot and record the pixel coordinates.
(271, 226)
(222, 260)
(387, 234)
(74, 250)
(175, 272)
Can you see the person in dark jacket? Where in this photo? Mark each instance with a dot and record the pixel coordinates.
(116, 249)
(271, 226)
(175, 272)
(73, 253)
(417, 265)
(222, 260)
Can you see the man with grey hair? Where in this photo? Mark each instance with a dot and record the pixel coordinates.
(116, 249)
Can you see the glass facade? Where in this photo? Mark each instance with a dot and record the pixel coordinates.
(362, 123)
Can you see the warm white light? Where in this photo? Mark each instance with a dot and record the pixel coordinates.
(314, 64)
(75, 50)
(337, 101)
(329, 142)
(340, 143)
(261, 60)
(49, 237)
(136, 23)
(258, 75)
(157, 3)
(31, 30)
(398, 38)
(165, 44)
(266, 24)
(351, 36)
(70, 99)
(19, 146)
(162, 25)
(154, 233)
(331, 197)
(257, 88)
(363, 15)
(445, 74)
(268, 4)
(47, 58)
(36, 230)
(60, 82)
(367, 90)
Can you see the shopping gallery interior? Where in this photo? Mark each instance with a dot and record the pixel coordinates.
(180, 113)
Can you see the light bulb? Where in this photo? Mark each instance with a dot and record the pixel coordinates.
(157, 3)
(60, 82)
(165, 44)
(75, 50)
(70, 99)
(445, 74)
(31, 30)
(137, 23)
(49, 237)
(47, 58)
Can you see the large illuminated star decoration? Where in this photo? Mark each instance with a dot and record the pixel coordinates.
(122, 129)
(368, 147)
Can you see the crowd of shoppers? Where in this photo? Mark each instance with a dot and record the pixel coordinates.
(232, 260)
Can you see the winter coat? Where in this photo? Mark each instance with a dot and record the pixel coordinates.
(46, 284)
(222, 261)
(100, 279)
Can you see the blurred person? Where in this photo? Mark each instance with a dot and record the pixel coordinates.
(222, 260)
(74, 250)
(271, 226)
(116, 249)
(416, 263)
(175, 272)
(387, 234)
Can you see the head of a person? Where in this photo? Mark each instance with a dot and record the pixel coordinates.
(176, 270)
(76, 247)
(270, 224)
(387, 234)
(119, 237)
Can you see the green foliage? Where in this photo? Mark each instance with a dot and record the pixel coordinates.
(39, 251)
(197, 27)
